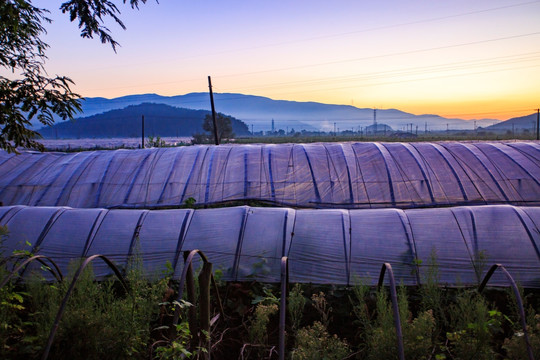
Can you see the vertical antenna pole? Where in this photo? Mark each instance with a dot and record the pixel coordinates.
(537, 124)
(216, 139)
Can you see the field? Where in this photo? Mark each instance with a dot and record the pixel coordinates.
(112, 143)
(134, 143)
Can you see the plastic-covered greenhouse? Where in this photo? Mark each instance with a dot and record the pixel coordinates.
(385, 202)
(331, 175)
(326, 246)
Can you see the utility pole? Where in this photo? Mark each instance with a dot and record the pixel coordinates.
(142, 132)
(537, 124)
(334, 129)
(213, 111)
(251, 129)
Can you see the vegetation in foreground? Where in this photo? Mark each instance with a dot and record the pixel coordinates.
(103, 321)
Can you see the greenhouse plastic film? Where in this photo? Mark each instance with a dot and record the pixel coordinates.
(115, 237)
(266, 237)
(217, 232)
(442, 241)
(379, 236)
(27, 227)
(344, 175)
(68, 236)
(323, 246)
(320, 247)
(497, 234)
(158, 240)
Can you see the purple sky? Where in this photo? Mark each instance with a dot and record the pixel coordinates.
(469, 59)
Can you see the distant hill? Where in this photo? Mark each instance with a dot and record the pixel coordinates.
(527, 122)
(159, 119)
(259, 112)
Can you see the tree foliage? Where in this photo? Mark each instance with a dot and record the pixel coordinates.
(91, 15)
(29, 92)
(224, 126)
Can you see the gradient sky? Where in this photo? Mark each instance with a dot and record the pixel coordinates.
(462, 58)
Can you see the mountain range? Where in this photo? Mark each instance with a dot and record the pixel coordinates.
(258, 111)
(159, 120)
(527, 122)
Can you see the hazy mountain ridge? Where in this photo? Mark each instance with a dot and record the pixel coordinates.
(518, 123)
(159, 119)
(259, 112)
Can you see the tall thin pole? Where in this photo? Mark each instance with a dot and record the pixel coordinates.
(537, 124)
(142, 132)
(213, 111)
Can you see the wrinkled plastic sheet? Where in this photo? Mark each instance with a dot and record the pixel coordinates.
(454, 245)
(322, 175)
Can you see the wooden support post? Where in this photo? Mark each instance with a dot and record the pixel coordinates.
(142, 133)
(216, 139)
(192, 311)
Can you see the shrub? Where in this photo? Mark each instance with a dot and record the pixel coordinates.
(296, 304)
(315, 343)
(515, 346)
(473, 325)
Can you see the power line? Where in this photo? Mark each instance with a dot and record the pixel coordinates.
(329, 36)
(409, 52)
(492, 61)
(490, 112)
(405, 81)
(482, 63)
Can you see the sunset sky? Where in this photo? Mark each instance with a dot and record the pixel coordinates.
(462, 58)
